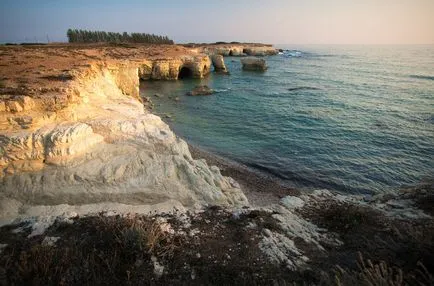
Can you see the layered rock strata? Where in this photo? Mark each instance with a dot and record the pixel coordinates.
(170, 69)
(99, 146)
(240, 50)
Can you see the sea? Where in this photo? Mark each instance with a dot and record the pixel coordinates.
(352, 119)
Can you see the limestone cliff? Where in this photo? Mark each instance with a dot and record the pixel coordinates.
(100, 145)
(240, 50)
(170, 69)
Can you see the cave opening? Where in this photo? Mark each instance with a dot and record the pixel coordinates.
(231, 53)
(185, 72)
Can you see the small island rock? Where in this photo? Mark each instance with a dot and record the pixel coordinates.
(201, 90)
(254, 64)
(219, 63)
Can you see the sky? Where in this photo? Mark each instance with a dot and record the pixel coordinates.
(270, 21)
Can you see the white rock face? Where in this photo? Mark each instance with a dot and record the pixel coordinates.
(291, 202)
(253, 64)
(279, 246)
(106, 150)
(57, 145)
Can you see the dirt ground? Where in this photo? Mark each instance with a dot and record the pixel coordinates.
(218, 247)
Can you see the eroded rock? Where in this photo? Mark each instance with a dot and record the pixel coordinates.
(254, 64)
(260, 51)
(219, 63)
(102, 147)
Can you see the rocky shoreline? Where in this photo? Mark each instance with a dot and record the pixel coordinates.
(260, 189)
(92, 183)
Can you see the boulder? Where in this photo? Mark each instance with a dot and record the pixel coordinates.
(254, 64)
(219, 63)
(201, 90)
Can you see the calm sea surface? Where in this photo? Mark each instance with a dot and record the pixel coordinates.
(356, 119)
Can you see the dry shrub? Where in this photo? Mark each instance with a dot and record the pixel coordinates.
(94, 250)
(381, 274)
(147, 234)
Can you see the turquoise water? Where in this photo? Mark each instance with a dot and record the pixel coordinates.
(346, 118)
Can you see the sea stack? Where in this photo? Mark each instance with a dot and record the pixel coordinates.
(219, 63)
(254, 64)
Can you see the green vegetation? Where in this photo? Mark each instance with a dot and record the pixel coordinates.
(85, 36)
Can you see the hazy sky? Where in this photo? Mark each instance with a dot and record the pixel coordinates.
(273, 21)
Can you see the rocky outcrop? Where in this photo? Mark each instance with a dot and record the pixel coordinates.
(240, 50)
(201, 90)
(17, 104)
(254, 64)
(102, 147)
(170, 69)
(145, 70)
(260, 51)
(219, 63)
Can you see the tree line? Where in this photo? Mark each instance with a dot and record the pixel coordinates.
(85, 36)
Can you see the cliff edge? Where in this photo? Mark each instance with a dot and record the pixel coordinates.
(74, 133)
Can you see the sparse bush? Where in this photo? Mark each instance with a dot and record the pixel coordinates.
(98, 250)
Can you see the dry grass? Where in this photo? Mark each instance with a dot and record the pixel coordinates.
(370, 274)
(122, 250)
(101, 250)
(403, 249)
(223, 251)
(381, 274)
(148, 234)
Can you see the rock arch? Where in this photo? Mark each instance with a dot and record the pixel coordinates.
(185, 72)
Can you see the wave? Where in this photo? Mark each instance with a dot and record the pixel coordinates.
(291, 53)
(219, 90)
(418, 76)
(303, 88)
